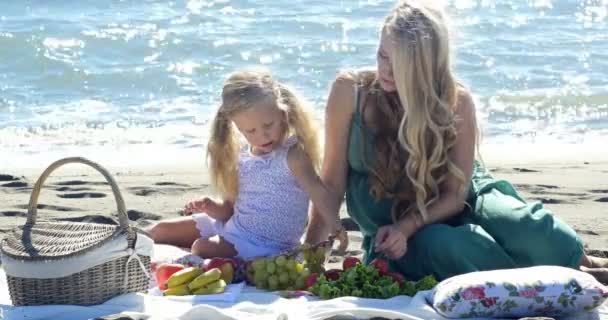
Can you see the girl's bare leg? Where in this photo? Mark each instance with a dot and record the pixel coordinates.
(179, 232)
(213, 247)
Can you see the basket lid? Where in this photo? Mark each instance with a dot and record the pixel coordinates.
(56, 240)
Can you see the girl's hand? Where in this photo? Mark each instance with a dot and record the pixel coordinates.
(197, 205)
(391, 241)
(342, 237)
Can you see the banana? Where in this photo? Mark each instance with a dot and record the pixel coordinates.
(214, 287)
(181, 290)
(183, 276)
(205, 278)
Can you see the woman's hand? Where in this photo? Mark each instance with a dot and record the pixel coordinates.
(198, 205)
(391, 241)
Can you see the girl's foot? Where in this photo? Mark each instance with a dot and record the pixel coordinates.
(600, 274)
(597, 262)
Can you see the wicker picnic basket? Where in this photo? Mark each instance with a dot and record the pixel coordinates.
(55, 262)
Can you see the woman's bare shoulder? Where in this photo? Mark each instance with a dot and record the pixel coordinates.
(349, 82)
(464, 101)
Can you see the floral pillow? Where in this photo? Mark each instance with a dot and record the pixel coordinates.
(527, 292)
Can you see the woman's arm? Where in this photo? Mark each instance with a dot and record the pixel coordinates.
(338, 115)
(453, 193)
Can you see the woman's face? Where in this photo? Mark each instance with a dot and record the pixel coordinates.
(385, 68)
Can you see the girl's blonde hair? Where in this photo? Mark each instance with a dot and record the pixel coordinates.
(418, 124)
(243, 90)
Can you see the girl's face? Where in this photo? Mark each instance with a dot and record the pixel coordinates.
(385, 68)
(263, 125)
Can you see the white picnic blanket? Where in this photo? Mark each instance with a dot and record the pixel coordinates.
(239, 303)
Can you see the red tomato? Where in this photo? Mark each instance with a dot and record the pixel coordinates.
(350, 262)
(333, 274)
(381, 265)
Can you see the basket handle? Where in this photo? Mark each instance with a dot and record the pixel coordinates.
(32, 210)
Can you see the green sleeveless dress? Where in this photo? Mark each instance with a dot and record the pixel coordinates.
(497, 230)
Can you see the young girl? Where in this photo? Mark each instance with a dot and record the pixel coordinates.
(265, 186)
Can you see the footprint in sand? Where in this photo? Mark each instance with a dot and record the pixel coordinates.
(94, 218)
(15, 184)
(135, 215)
(70, 189)
(544, 189)
(81, 182)
(20, 214)
(163, 188)
(50, 207)
(601, 199)
(12, 181)
(550, 194)
(549, 200)
(81, 195)
(174, 184)
(589, 232)
(143, 191)
(548, 186)
(8, 177)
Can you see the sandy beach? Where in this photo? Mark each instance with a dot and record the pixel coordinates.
(572, 181)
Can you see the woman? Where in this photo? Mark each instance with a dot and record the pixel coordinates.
(400, 143)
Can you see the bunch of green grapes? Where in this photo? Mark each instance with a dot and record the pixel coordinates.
(278, 273)
(314, 258)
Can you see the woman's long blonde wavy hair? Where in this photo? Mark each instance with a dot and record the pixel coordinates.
(417, 129)
(241, 91)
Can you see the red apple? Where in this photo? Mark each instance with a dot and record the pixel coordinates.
(332, 274)
(226, 265)
(213, 263)
(381, 265)
(227, 269)
(164, 271)
(311, 280)
(350, 262)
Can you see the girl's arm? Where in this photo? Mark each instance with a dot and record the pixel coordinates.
(221, 211)
(453, 193)
(320, 195)
(338, 115)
